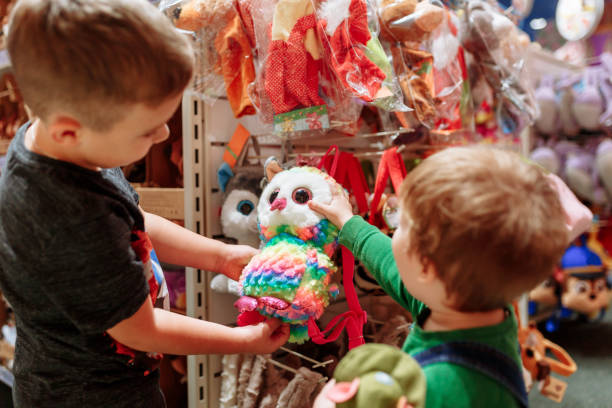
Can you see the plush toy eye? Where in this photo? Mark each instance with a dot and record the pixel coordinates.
(245, 207)
(600, 285)
(273, 196)
(301, 195)
(581, 287)
(548, 283)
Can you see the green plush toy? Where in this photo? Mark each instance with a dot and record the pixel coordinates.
(377, 376)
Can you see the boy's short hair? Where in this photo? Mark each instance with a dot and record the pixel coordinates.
(91, 58)
(489, 222)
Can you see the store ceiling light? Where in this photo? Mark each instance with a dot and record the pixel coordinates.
(538, 23)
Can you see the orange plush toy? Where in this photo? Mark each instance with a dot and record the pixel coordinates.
(232, 57)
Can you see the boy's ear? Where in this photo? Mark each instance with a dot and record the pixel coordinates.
(64, 129)
(428, 274)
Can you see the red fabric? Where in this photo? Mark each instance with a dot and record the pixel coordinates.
(292, 75)
(353, 320)
(391, 165)
(356, 317)
(349, 174)
(344, 49)
(250, 318)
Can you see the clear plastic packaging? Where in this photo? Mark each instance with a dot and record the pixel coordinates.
(348, 30)
(406, 25)
(499, 48)
(223, 45)
(454, 109)
(294, 87)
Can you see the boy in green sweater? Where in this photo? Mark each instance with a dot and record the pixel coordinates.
(479, 227)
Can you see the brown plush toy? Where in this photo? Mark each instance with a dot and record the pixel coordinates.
(408, 20)
(405, 24)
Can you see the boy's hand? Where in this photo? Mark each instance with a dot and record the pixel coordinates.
(339, 211)
(233, 260)
(265, 337)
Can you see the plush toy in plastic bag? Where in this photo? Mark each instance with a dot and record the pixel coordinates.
(548, 121)
(499, 49)
(588, 103)
(405, 24)
(451, 85)
(224, 43)
(291, 277)
(349, 35)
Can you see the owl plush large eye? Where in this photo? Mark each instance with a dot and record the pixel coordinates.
(245, 207)
(301, 195)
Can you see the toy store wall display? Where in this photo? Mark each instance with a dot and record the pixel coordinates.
(389, 82)
(572, 140)
(316, 65)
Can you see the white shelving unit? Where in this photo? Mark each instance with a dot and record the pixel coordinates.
(206, 130)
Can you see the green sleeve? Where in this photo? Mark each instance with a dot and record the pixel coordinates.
(373, 249)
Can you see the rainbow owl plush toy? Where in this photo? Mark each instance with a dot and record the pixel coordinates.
(290, 278)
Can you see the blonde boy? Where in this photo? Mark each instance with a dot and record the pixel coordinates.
(102, 78)
(479, 227)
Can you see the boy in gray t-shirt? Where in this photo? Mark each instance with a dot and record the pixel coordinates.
(76, 251)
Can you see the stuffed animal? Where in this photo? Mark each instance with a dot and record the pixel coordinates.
(375, 375)
(547, 121)
(239, 210)
(239, 219)
(603, 164)
(290, 278)
(547, 158)
(224, 28)
(405, 24)
(581, 176)
(498, 49)
(587, 290)
(344, 32)
(588, 103)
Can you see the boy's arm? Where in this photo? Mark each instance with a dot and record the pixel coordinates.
(157, 330)
(177, 245)
(373, 249)
(368, 244)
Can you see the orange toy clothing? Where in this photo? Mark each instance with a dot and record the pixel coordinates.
(236, 65)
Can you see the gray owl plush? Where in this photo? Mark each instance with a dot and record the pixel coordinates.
(239, 219)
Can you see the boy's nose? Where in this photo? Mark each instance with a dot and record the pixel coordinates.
(279, 204)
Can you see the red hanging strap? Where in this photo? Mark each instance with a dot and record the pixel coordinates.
(353, 320)
(343, 169)
(391, 166)
(326, 157)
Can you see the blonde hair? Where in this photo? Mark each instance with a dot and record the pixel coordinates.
(490, 223)
(91, 58)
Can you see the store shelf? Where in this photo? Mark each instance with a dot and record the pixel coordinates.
(165, 202)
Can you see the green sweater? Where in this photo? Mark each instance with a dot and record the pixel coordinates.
(448, 385)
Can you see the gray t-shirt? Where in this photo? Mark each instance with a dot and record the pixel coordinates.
(74, 261)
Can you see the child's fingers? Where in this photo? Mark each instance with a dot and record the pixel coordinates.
(272, 324)
(319, 207)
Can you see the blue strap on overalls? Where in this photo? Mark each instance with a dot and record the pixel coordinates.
(482, 358)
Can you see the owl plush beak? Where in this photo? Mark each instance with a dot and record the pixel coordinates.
(279, 204)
